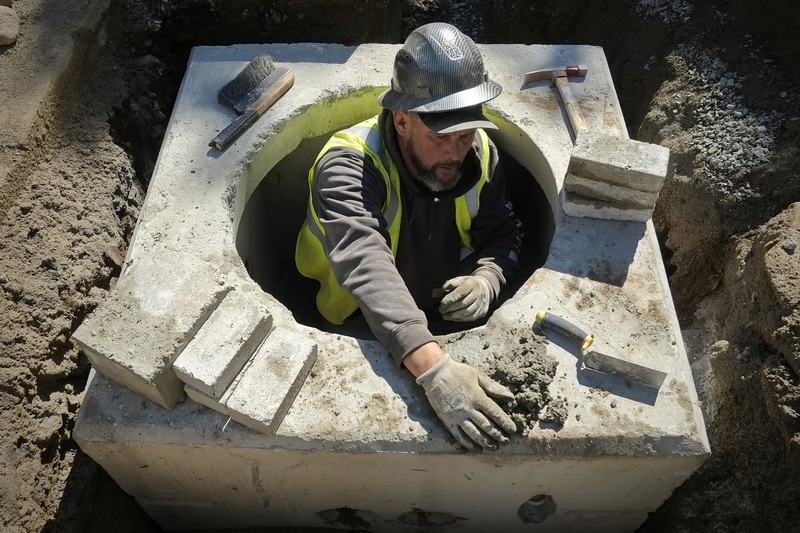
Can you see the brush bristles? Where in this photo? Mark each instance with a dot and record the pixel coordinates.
(254, 73)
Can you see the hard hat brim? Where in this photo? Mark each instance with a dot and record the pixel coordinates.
(397, 101)
(469, 118)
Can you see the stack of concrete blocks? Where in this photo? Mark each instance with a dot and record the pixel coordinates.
(614, 178)
(169, 336)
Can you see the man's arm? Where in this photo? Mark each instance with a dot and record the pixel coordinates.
(422, 359)
(348, 195)
(496, 239)
(496, 229)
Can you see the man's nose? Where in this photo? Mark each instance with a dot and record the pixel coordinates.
(452, 147)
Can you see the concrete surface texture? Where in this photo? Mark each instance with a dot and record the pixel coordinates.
(359, 445)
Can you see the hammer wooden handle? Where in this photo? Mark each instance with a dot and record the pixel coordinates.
(560, 77)
(576, 118)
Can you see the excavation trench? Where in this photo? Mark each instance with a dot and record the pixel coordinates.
(76, 198)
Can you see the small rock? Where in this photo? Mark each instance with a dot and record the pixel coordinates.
(789, 245)
(9, 25)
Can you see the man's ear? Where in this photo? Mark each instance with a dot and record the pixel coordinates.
(401, 122)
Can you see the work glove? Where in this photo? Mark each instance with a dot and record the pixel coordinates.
(460, 395)
(466, 298)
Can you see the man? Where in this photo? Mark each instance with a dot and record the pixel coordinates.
(408, 226)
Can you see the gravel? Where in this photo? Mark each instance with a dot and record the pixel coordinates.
(734, 138)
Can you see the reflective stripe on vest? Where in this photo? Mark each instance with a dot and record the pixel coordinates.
(333, 302)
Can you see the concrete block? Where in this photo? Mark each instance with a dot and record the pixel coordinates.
(223, 345)
(137, 333)
(576, 205)
(619, 161)
(360, 444)
(263, 391)
(217, 404)
(621, 197)
(271, 382)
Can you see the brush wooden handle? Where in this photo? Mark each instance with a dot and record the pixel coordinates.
(271, 94)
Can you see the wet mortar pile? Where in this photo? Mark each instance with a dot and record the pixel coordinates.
(523, 365)
(717, 83)
(518, 359)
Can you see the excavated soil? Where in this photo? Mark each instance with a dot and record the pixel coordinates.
(716, 82)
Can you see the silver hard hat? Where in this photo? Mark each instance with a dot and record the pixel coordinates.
(438, 69)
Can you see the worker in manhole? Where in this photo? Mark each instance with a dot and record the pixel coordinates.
(409, 232)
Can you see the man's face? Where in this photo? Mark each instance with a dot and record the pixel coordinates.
(433, 159)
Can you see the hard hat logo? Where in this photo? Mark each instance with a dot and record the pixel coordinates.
(452, 50)
(438, 69)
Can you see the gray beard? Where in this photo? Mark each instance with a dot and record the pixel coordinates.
(427, 176)
(429, 180)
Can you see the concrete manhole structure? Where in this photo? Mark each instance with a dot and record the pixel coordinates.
(217, 406)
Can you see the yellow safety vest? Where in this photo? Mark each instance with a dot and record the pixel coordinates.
(335, 303)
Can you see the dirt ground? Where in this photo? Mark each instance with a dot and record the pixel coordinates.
(716, 82)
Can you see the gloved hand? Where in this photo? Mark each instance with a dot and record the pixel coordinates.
(460, 395)
(467, 298)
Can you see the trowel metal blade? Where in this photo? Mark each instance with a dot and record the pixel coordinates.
(624, 369)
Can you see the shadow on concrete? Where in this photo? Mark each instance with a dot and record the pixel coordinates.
(596, 249)
(616, 385)
(93, 503)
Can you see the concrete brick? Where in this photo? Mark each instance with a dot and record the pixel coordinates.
(261, 394)
(271, 382)
(621, 197)
(218, 404)
(580, 206)
(206, 400)
(223, 345)
(619, 161)
(137, 333)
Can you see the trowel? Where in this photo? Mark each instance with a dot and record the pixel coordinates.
(599, 361)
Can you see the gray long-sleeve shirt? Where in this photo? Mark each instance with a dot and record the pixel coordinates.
(393, 293)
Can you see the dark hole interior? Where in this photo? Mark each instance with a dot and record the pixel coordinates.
(276, 210)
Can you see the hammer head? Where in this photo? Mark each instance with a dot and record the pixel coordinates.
(556, 72)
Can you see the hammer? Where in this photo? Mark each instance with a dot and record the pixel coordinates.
(559, 76)
(609, 176)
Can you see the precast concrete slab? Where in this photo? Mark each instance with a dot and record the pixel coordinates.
(359, 447)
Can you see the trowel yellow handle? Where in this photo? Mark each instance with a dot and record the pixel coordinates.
(564, 327)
